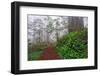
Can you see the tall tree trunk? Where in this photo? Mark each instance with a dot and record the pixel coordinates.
(57, 34)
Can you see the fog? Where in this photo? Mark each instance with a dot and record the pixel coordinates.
(48, 29)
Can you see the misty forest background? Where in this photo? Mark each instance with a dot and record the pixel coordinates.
(57, 37)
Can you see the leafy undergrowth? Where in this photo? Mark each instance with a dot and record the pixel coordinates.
(35, 52)
(35, 55)
(73, 45)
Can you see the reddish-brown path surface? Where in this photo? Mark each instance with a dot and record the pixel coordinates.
(49, 54)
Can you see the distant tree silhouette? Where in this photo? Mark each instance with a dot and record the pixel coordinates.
(75, 23)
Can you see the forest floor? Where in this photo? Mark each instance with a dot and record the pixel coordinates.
(49, 54)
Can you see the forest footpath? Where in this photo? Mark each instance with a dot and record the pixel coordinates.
(49, 54)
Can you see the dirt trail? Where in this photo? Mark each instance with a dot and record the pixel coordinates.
(49, 54)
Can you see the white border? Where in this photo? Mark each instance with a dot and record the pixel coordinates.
(26, 65)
